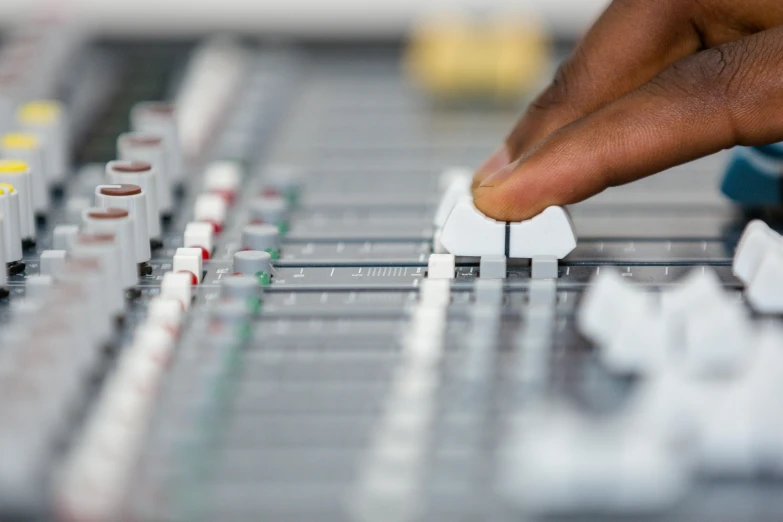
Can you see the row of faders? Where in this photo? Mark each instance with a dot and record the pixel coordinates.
(97, 261)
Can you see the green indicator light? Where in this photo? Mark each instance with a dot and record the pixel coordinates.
(274, 252)
(263, 278)
(254, 305)
(292, 196)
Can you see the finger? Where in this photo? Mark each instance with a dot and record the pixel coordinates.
(629, 44)
(715, 99)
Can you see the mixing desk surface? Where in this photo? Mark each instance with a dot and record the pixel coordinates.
(227, 299)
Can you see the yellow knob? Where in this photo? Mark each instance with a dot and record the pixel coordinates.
(10, 166)
(39, 112)
(20, 140)
(6, 188)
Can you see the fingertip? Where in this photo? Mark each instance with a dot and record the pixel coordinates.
(496, 161)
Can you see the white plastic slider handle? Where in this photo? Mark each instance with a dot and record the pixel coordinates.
(758, 262)
(468, 232)
(624, 322)
(757, 240)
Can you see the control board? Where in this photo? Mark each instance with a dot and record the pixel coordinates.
(226, 299)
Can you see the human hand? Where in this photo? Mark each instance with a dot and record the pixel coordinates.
(653, 84)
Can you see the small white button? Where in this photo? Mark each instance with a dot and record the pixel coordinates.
(606, 303)
(199, 235)
(189, 260)
(52, 262)
(468, 232)
(550, 233)
(165, 311)
(177, 286)
(223, 176)
(441, 266)
(765, 290)
(211, 208)
(756, 240)
(718, 340)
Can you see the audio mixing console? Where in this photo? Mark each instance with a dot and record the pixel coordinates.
(227, 300)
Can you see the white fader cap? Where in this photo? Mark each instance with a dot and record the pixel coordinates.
(49, 120)
(12, 236)
(149, 148)
(17, 174)
(118, 222)
(141, 174)
(133, 199)
(26, 146)
(161, 118)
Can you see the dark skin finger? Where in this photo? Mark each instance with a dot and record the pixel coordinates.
(632, 42)
(715, 99)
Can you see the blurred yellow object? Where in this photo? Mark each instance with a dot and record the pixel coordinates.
(459, 57)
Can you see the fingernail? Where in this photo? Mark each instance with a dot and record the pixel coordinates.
(496, 161)
(498, 177)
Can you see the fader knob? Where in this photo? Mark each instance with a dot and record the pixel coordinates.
(27, 147)
(118, 222)
(106, 250)
(251, 262)
(149, 148)
(134, 200)
(48, 119)
(17, 174)
(161, 118)
(141, 174)
(261, 237)
(12, 232)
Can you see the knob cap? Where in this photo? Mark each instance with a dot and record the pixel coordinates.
(119, 223)
(161, 118)
(17, 174)
(142, 174)
(104, 248)
(49, 120)
(149, 148)
(132, 199)
(260, 237)
(251, 262)
(27, 147)
(269, 209)
(240, 287)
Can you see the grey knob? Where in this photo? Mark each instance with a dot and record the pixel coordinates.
(269, 209)
(260, 237)
(251, 262)
(240, 287)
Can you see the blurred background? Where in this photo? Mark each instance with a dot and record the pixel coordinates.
(310, 18)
